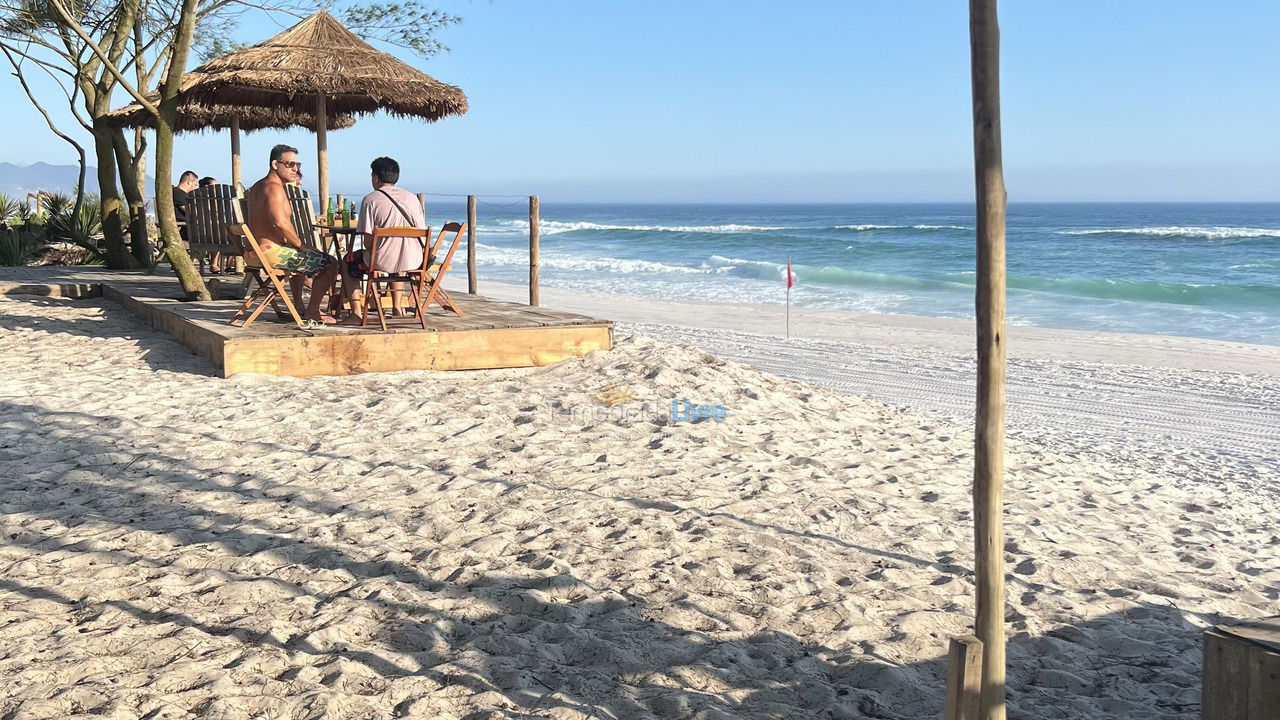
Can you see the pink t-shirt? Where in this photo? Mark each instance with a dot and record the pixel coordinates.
(378, 211)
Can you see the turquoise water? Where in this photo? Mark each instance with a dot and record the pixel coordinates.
(1200, 270)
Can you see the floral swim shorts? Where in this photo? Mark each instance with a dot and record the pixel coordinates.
(304, 261)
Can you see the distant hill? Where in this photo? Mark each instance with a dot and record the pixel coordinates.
(18, 180)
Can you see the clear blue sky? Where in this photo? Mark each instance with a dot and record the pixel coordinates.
(823, 101)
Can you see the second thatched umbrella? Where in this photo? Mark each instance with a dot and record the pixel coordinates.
(196, 116)
(320, 67)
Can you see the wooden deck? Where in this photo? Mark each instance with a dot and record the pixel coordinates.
(492, 334)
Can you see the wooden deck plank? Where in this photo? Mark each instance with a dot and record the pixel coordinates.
(492, 333)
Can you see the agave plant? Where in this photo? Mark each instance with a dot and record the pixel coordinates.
(83, 228)
(8, 210)
(52, 204)
(17, 247)
(26, 217)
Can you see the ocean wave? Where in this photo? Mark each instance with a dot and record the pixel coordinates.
(1099, 289)
(492, 255)
(554, 227)
(1208, 294)
(828, 275)
(1210, 233)
(868, 228)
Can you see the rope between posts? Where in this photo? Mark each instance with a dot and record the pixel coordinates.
(521, 201)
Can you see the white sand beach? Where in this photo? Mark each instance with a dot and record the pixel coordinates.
(502, 544)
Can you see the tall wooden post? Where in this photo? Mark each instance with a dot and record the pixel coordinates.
(534, 233)
(471, 244)
(235, 151)
(322, 150)
(988, 462)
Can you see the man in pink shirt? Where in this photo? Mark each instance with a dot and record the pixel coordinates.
(387, 206)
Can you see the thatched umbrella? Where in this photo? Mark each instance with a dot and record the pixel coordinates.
(196, 116)
(320, 67)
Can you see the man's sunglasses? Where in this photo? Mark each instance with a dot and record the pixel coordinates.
(292, 165)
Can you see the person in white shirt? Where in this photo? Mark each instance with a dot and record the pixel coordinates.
(387, 206)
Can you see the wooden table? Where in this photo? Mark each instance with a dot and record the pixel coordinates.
(339, 232)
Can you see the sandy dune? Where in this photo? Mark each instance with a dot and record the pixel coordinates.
(504, 545)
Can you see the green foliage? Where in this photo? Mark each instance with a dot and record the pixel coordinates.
(28, 218)
(408, 24)
(54, 204)
(83, 228)
(17, 247)
(8, 210)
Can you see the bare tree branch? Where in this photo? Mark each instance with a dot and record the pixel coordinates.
(102, 57)
(17, 72)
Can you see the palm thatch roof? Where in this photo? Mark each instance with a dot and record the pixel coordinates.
(197, 116)
(319, 56)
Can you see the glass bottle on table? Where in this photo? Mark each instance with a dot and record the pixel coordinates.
(328, 212)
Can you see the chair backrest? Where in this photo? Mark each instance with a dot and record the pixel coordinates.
(457, 229)
(211, 210)
(303, 215)
(380, 234)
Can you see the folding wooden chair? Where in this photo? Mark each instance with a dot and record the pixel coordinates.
(269, 288)
(208, 216)
(376, 278)
(429, 287)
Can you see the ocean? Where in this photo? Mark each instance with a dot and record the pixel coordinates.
(1198, 270)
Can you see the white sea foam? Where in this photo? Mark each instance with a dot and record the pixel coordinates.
(863, 228)
(492, 255)
(553, 227)
(1211, 233)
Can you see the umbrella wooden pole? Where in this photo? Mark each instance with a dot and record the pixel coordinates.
(235, 152)
(322, 150)
(988, 461)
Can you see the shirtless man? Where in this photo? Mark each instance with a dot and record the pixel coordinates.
(271, 222)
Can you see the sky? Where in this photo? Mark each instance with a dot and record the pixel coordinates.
(822, 101)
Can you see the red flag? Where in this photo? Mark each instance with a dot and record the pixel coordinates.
(791, 277)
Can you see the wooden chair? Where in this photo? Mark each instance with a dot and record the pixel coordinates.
(303, 217)
(429, 285)
(376, 280)
(269, 287)
(209, 215)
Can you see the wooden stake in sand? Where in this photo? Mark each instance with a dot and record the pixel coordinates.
(534, 234)
(964, 678)
(471, 244)
(988, 461)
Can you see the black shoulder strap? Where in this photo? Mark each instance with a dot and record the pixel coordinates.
(407, 219)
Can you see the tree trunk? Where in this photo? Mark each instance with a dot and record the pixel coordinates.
(132, 183)
(174, 250)
(113, 224)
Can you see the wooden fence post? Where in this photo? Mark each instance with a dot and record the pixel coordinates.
(988, 459)
(471, 244)
(534, 233)
(964, 678)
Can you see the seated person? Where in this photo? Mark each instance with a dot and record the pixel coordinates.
(182, 198)
(271, 221)
(387, 206)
